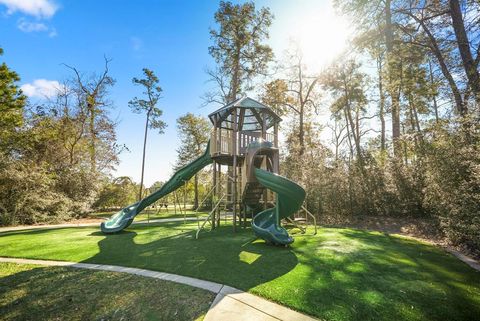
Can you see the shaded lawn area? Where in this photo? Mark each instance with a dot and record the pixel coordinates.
(339, 274)
(33, 292)
(153, 214)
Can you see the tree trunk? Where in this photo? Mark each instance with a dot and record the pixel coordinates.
(392, 88)
(93, 135)
(348, 132)
(434, 96)
(459, 105)
(405, 152)
(301, 133)
(464, 48)
(235, 81)
(353, 126)
(143, 157)
(381, 105)
(356, 139)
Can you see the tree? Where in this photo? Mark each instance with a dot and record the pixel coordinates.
(238, 49)
(470, 64)
(275, 95)
(153, 93)
(12, 103)
(120, 192)
(378, 16)
(295, 95)
(92, 92)
(194, 134)
(346, 83)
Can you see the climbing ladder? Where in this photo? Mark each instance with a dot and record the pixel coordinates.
(252, 193)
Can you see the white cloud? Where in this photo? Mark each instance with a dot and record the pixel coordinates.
(37, 8)
(27, 26)
(41, 88)
(52, 33)
(136, 43)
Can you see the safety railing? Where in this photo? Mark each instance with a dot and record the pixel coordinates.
(221, 140)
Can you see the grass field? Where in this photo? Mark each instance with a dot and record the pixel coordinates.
(32, 292)
(339, 274)
(154, 214)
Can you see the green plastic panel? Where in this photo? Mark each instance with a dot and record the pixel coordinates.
(290, 197)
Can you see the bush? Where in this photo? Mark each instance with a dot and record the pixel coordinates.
(27, 195)
(452, 191)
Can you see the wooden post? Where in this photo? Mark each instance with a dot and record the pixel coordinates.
(219, 191)
(265, 193)
(275, 134)
(214, 193)
(215, 135)
(264, 126)
(234, 169)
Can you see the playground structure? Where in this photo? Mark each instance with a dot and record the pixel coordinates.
(243, 151)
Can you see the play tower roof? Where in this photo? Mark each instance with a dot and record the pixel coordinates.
(250, 116)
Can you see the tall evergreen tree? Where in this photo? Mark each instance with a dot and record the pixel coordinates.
(238, 49)
(12, 102)
(153, 93)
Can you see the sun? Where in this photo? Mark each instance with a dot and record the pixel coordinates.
(321, 36)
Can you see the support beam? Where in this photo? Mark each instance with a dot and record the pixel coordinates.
(219, 179)
(257, 115)
(215, 191)
(234, 169)
(241, 119)
(275, 134)
(264, 125)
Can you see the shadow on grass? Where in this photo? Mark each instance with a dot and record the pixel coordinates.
(339, 274)
(374, 276)
(61, 293)
(221, 256)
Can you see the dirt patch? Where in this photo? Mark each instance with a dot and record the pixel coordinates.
(416, 227)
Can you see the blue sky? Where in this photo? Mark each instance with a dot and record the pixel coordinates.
(169, 37)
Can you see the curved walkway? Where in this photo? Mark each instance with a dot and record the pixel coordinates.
(229, 304)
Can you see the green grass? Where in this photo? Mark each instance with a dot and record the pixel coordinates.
(153, 214)
(339, 274)
(32, 292)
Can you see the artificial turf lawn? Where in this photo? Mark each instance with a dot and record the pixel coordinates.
(339, 274)
(33, 292)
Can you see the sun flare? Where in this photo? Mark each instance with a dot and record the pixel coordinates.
(321, 38)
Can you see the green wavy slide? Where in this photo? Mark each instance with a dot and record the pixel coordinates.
(124, 218)
(290, 197)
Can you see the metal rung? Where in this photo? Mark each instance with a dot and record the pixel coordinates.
(300, 219)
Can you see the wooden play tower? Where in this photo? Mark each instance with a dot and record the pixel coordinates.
(235, 126)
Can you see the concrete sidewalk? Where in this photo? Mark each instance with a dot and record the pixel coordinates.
(229, 304)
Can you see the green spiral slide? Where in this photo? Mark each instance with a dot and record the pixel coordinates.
(124, 218)
(290, 197)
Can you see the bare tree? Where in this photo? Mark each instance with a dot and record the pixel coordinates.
(94, 92)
